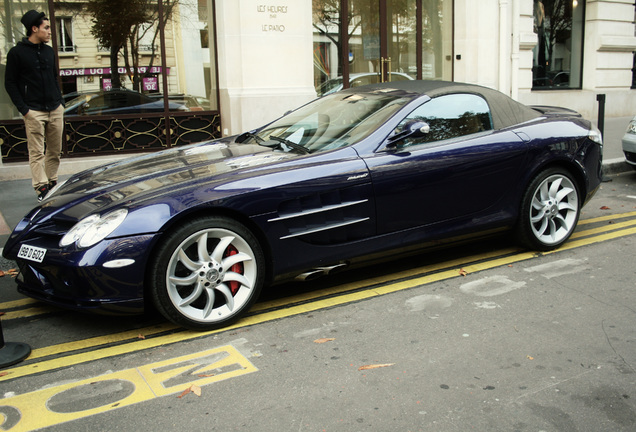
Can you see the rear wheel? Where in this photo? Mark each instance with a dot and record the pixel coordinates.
(549, 211)
(207, 273)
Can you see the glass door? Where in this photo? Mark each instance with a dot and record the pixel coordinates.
(382, 41)
(365, 47)
(359, 42)
(401, 59)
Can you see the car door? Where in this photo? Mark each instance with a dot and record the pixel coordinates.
(461, 169)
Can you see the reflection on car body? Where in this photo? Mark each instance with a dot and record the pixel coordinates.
(373, 171)
(356, 80)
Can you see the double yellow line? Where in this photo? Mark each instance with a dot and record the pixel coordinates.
(61, 355)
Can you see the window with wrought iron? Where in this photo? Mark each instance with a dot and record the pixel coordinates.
(64, 27)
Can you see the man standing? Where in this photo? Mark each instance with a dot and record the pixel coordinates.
(32, 83)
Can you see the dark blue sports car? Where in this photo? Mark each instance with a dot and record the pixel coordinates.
(377, 170)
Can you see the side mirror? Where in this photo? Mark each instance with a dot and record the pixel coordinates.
(412, 129)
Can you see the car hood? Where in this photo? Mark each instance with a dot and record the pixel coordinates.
(139, 179)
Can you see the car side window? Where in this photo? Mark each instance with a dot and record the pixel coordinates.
(450, 116)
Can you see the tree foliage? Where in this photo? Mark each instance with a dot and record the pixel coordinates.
(122, 25)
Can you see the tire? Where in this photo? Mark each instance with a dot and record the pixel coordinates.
(550, 210)
(207, 273)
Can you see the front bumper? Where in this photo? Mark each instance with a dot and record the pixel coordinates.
(629, 148)
(79, 280)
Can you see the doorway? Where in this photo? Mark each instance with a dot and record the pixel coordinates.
(358, 42)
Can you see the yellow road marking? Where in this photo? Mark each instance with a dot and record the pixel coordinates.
(292, 310)
(71, 401)
(17, 303)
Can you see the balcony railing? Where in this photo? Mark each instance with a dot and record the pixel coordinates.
(142, 48)
(67, 48)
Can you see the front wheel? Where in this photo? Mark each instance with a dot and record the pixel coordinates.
(207, 273)
(549, 210)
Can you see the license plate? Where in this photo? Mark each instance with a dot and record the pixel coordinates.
(32, 253)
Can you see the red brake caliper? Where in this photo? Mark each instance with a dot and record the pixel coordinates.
(236, 268)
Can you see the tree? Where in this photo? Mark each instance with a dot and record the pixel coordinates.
(123, 26)
(327, 20)
(112, 24)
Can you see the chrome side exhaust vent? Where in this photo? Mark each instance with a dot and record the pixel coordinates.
(319, 272)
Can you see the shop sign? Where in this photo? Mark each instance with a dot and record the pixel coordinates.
(273, 12)
(107, 71)
(151, 84)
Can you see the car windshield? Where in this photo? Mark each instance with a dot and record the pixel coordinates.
(332, 122)
(329, 86)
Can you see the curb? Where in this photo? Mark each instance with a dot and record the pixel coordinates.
(616, 166)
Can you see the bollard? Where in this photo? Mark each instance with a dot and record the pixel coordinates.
(601, 114)
(601, 126)
(12, 352)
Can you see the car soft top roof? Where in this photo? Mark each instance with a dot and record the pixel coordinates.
(505, 111)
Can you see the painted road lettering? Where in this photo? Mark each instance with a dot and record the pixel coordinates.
(67, 402)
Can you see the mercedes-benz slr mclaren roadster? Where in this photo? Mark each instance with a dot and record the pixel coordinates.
(198, 231)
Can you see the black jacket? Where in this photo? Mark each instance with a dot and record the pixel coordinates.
(31, 77)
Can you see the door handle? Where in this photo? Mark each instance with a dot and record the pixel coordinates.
(383, 63)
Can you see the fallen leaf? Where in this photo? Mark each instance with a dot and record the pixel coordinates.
(185, 392)
(205, 375)
(140, 336)
(530, 357)
(323, 340)
(11, 272)
(192, 389)
(605, 208)
(463, 272)
(4, 374)
(375, 366)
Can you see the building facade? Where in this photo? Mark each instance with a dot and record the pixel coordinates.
(232, 65)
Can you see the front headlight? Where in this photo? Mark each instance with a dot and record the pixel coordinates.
(632, 127)
(595, 135)
(93, 229)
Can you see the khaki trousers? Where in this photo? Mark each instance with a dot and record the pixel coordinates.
(44, 160)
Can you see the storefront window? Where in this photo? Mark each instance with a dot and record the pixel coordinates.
(328, 53)
(558, 55)
(386, 40)
(121, 64)
(191, 30)
(437, 39)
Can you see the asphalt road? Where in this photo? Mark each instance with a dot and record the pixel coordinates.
(486, 337)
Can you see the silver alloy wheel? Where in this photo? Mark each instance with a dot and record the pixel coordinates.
(554, 210)
(210, 275)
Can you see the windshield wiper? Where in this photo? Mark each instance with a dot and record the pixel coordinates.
(290, 144)
(248, 135)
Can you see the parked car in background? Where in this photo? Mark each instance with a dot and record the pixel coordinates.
(193, 103)
(629, 143)
(375, 171)
(117, 101)
(356, 80)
